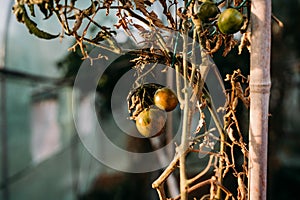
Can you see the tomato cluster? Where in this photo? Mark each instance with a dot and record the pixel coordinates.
(229, 21)
(152, 102)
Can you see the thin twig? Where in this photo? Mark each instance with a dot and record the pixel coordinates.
(203, 172)
(161, 192)
(221, 131)
(171, 167)
(146, 73)
(194, 187)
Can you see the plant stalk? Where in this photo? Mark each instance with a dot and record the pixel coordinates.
(222, 133)
(186, 118)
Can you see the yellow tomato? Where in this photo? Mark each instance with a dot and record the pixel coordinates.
(165, 99)
(151, 122)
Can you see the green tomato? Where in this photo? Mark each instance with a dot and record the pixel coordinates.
(165, 99)
(151, 122)
(230, 21)
(207, 10)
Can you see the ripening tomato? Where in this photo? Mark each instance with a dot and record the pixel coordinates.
(151, 122)
(230, 21)
(165, 99)
(207, 10)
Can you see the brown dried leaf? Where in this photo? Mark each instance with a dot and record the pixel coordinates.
(245, 42)
(242, 189)
(229, 43)
(167, 13)
(207, 45)
(140, 5)
(139, 27)
(180, 14)
(154, 19)
(148, 3)
(107, 4)
(122, 22)
(230, 135)
(237, 2)
(218, 44)
(235, 103)
(78, 22)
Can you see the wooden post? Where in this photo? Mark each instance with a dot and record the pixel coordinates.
(260, 83)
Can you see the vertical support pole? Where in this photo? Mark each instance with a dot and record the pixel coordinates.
(260, 83)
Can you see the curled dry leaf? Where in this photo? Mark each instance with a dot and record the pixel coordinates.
(139, 27)
(107, 4)
(155, 20)
(229, 43)
(22, 17)
(245, 42)
(242, 189)
(167, 13)
(218, 43)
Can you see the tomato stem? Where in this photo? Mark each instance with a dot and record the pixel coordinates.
(241, 5)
